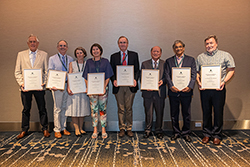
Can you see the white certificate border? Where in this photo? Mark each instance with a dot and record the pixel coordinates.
(118, 68)
(96, 74)
(48, 80)
(212, 66)
(24, 76)
(180, 69)
(142, 78)
(69, 81)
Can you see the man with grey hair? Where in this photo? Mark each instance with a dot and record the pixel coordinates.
(214, 98)
(32, 59)
(60, 62)
(179, 97)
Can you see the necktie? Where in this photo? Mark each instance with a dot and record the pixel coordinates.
(155, 65)
(33, 58)
(63, 60)
(123, 59)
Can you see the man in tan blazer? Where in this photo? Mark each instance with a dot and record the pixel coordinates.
(32, 59)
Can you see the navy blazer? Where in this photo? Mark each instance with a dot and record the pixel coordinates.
(115, 59)
(162, 89)
(188, 61)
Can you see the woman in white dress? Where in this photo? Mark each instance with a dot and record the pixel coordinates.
(78, 104)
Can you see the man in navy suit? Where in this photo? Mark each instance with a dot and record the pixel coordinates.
(154, 99)
(180, 97)
(125, 94)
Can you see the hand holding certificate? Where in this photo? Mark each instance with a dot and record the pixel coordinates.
(76, 83)
(56, 79)
(32, 79)
(210, 76)
(96, 83)
(181, 77)
(149, 79)
(125, 75)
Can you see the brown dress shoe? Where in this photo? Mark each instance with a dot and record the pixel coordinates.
(46, 133)
(65, 132)
(205, 140)
(130, 133)
(58, 135)
(21, 135)
(121, 133)
(216, 141)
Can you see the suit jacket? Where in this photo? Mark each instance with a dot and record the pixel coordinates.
(115, 60)
(23, 62)
(187, 62)
(162, 89)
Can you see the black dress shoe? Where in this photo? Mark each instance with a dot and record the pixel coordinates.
(175, 136)
(159, 135)
(146, 135)
(187, 138)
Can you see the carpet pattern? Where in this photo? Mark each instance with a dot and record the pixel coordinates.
(35, 150)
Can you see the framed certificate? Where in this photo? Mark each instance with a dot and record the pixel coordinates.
(210, 76)
(32, 79)
(76, 83)
(125, 75)
(96, 83)
(181, 77)
(56, 79)
(149, 79)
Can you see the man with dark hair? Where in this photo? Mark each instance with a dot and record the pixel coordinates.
(180, 97)
(125, 94)
(214, 98)
(32, 59)
(60, 62)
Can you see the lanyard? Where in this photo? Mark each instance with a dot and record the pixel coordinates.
(124, 58)
(79, 67)
(63, 63)
(97, 65)
(176, 63)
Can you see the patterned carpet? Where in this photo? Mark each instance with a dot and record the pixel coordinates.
(35, 150)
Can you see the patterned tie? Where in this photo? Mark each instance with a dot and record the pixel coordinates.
(155, 65)
(63, 67)
(123, 59)
(33, 58)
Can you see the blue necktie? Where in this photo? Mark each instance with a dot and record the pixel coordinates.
(65, 65)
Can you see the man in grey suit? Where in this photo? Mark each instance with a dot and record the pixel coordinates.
(154, 99)
(32, 59)
(180, 97)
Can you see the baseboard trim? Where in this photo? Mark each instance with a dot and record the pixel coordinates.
(137, 125)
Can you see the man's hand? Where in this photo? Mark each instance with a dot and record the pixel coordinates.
(115, 83)
(174, 89)
(186, 89)
(22, 88)
(160, 83)
(222, 84)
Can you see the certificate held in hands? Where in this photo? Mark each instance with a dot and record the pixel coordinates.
(76, 83)
(181, 77)
(210, 76)
(32, 79)
(56, 79)
(125, 75)
(96, 83)
(149, 79)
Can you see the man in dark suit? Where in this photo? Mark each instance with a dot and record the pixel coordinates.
(125, 94)
(154, 99)
(180, 97)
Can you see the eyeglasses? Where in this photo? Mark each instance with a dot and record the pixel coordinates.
(176, 47)
(122, 42)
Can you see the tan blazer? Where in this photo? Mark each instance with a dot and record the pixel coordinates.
(23, 62)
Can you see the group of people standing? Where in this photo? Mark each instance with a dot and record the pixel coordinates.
(80, 105)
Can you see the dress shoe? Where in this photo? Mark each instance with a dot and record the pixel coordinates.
(58, 135)
(160, 135)
(65, 132)
(146, 135)
(121, 133)
(205, 140)
(21, 135)
(187, 138)
(216, 141)
(175, 136)
(46, 133)
(130, 133)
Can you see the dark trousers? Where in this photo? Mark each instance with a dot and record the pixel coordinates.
(213, 99)
(150, 104)
(185, 102)
(40, 101)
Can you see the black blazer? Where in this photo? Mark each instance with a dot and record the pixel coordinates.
(115, 59)
(188, 61)
(162, 89)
